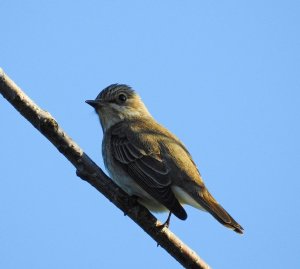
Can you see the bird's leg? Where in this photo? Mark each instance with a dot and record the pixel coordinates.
(167, 222)
(132, 201)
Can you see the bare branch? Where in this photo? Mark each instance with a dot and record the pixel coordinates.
(90, 172)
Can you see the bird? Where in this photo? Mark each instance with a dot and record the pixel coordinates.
(148, 162)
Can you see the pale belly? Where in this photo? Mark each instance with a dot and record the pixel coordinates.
(126, 183)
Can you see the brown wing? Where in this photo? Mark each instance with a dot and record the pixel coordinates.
(146, 168)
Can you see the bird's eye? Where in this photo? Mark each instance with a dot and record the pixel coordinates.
(122, 98)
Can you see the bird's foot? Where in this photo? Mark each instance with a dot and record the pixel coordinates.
(167, 222)
(132, 202)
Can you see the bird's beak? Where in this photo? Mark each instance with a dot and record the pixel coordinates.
(93, 103)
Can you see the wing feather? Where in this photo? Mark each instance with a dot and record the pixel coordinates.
(147, 168)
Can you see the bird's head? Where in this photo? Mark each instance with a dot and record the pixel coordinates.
(116, 103)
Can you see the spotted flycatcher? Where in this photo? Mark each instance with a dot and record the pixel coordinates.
(148, 161)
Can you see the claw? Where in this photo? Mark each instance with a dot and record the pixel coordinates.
(132, 202)
(167, 222)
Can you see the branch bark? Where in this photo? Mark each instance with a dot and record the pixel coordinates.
(90, 172)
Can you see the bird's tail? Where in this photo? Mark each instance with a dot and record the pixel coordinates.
(219, 213)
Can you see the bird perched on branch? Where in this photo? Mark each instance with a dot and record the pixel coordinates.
(148, 161)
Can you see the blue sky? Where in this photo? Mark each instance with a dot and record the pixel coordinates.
(223, 76)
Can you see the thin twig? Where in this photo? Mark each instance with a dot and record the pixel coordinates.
(90, 172)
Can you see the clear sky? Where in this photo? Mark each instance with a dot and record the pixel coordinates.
(224, 76)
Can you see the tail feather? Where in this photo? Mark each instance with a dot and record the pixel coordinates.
(218, 212)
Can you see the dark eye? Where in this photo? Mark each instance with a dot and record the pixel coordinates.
(122, 97)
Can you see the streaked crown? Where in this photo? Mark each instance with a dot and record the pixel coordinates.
(112, 91)
(116, 103)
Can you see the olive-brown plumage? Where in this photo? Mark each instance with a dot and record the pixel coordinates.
(148, 161)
